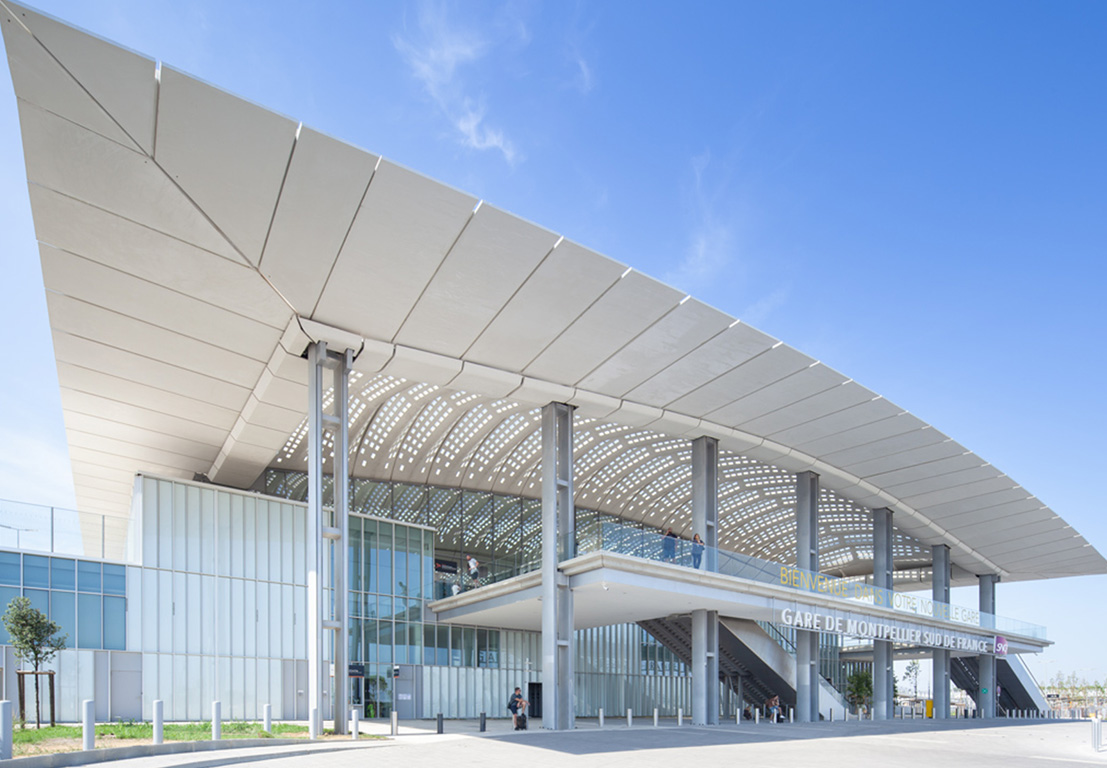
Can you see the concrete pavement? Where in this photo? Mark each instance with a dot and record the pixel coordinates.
(948, 744)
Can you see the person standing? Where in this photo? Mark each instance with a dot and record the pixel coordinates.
(474, 569)
(697, 551)
(668, 546)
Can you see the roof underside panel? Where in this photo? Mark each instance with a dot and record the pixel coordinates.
(189, 240)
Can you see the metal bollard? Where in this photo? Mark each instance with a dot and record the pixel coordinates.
(655, 717)
(216, 720)
(680, 717)
(601, 717)
(440, 722)
(267, 718)
(791, 712)
(88, 725)
(483, 722)
(630, 718)
(395, 723)
(313, 724)
(832, 714)
(756, 716)
(355, 729)
(5, 730)
(738, 716)
(159, 721)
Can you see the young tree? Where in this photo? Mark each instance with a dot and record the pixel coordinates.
(859, 688)
(912, 674)
(34, 638)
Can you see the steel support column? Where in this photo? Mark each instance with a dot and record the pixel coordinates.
(986, 696)
(883, 690)
(327, 539)
(940, 579)
(705, 624)
(705, 498)
(558, 543)
(807, 557)
(705, 667)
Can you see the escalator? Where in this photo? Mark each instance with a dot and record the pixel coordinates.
(747, 653)
(1018, 691)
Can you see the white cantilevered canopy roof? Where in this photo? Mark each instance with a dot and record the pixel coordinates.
(193, 243)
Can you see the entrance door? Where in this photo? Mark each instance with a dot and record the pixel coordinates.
(534, 696)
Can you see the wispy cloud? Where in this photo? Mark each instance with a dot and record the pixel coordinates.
(758, 312)
(585, 81)
(710, 243)
(438, 51)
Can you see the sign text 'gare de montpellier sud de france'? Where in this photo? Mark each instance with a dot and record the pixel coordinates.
(876, 629)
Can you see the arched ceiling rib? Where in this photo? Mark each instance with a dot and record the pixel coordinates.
(493, 445)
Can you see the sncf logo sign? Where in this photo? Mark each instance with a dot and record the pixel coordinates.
(1001, 646)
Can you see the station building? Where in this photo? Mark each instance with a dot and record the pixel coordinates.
(343, 436)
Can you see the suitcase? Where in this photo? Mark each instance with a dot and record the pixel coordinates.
(521, 722)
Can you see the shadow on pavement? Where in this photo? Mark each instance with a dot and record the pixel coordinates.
(592, 740)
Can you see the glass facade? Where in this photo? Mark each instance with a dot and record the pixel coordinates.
(90, 611)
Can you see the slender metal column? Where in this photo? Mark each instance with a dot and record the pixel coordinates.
(940, 658)
(558, 543)
(807, 557)
(341, 700)
(321, 536)
(986, 697)
(883, 691)
(705, 624)
(317, 355)
(705, 497)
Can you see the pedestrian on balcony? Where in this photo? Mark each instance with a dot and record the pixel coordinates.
(697, 551)
(474, 569)
(668, 546)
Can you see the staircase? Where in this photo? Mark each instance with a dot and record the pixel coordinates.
(747, 653)
(1017, 688)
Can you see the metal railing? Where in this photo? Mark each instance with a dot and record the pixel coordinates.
(57, 531)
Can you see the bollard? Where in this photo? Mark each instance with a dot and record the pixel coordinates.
(756, 716)
(216, 720)
(355, 729)
(832, 714)
(738, 716)
(267, 718)
(483, 722)
(655, 720)
(680, 717)
(395, 723)
(791, 712)
(88, 725)
(313, 723)
(601, 717)
(440, 722)
(5, 730)
(630, 718)
(159, 721)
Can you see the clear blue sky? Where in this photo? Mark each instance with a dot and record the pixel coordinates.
(914, 193)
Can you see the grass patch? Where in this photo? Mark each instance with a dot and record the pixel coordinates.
(173, 731)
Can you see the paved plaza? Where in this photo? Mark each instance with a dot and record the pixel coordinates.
(893, 743)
